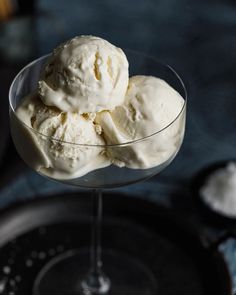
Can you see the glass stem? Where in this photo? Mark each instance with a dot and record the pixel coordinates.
(96, 250)
(96, 281)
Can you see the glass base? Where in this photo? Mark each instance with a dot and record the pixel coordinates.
(67, 274)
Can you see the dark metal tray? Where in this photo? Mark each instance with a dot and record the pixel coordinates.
(32, 233)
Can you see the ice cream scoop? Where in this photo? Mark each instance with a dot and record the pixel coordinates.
(58, 143)
(151, 105)
(85, 74)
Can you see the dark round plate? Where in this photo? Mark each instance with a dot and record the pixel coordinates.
(33, 233)
(211, 215)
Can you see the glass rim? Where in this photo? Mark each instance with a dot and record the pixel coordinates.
(127, 143)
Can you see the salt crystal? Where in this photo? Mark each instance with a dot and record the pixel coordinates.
(3, 285)
(6, 269)
(29, 262)
(219, 190)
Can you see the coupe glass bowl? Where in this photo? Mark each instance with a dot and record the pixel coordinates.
(111, 176)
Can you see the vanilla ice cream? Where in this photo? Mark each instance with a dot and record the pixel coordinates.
(87, 114)
(56, 144)
(150, 105)
(85, 74)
